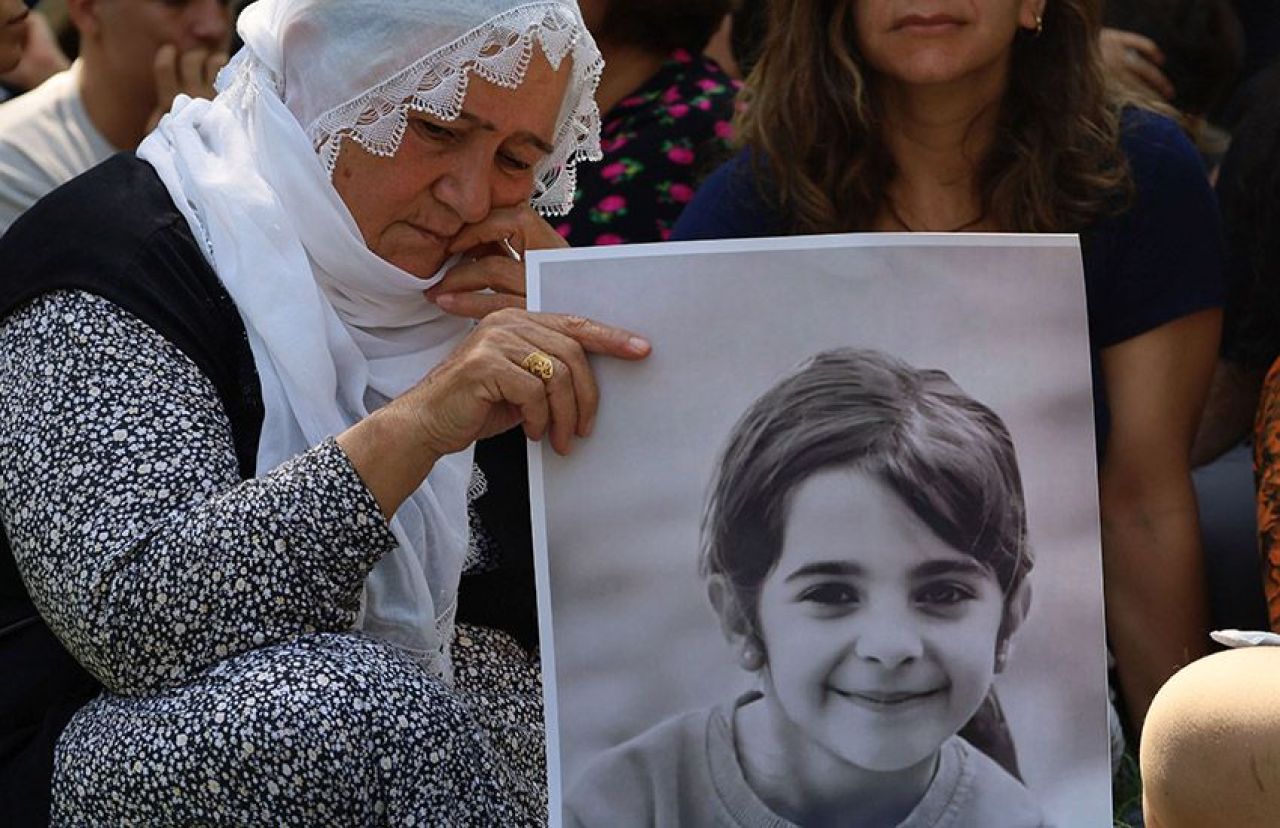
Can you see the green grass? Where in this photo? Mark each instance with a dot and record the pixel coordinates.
(1126, 791)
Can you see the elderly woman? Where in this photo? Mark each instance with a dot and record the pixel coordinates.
(993, 115)
(235, 433)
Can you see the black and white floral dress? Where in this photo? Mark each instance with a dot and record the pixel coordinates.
(216, 610)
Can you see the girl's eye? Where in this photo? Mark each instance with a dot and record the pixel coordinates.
(830, 595)
(944, 594)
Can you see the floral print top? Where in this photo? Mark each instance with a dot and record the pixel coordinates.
(1266, 467)
(658, 143)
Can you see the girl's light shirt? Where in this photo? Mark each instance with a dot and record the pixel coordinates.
(685, 772)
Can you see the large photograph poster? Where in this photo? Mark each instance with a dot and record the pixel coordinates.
(673, 689)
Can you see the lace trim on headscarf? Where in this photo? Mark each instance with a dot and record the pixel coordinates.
(498, 51)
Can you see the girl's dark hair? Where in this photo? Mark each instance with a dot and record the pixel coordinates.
(663, 25)
(810, 115)
(948, 456)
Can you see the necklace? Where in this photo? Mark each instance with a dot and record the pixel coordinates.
(893, 211)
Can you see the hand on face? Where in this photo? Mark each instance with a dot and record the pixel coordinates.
(483, 388)
(1135, 61)
(491, 276)
(190, 73)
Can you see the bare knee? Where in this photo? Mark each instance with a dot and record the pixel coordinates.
(1210, 749)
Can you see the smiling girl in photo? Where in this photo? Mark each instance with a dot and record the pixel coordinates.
(865, 549)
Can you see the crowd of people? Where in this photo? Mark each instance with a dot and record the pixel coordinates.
(266, 371)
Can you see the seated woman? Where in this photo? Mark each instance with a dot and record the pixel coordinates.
(995, 117)
(876, 607)
(235, 434)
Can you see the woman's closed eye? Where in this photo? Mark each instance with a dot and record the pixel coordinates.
(513, 162)
(433, 131)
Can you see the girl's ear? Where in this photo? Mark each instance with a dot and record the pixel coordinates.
(1015, 612)
(734, 624)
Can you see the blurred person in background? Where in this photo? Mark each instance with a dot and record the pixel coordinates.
(998, 118)
(135, 57)
(14, 23)
(665, 109)
(1186, 53)
(41, 59)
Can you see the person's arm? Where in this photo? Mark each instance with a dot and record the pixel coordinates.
(1156, 599)
(1228, 411)
(121, 494)
(124, 506)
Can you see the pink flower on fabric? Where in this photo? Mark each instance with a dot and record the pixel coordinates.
(724, 130)
(678, 110)
(564, 230)
(608, 238)
(680, 155)
(613, 144)
(614, 171)
(707, 85)
(672, 95)
(664, 233)
(681, 56)
(611, 204)
(704, 104)
(681, 193)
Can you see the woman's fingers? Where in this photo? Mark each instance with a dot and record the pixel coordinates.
(520, 227)
(478, 305)
(569, 338)
(457, 293)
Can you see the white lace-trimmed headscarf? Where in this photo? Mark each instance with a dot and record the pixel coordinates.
(335, 330)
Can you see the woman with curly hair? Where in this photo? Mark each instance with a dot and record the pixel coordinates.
(994, 116)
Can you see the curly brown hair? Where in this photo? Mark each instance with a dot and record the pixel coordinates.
(812, 124)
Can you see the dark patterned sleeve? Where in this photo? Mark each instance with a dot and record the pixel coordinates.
(146, 553)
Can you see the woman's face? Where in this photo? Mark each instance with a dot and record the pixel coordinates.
(880, 638)
(448, 174)
(920, 42)
(13, 32)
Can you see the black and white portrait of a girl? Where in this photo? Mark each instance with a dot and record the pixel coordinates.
(824, 564)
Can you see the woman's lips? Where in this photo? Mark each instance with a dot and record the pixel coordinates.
(928, 23)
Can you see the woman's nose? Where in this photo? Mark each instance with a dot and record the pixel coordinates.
(888, 639)
(466, 189)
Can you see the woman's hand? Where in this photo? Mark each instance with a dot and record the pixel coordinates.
(491, 276)
(1135, 61)
(483, 388)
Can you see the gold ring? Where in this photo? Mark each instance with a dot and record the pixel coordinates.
(540, 365)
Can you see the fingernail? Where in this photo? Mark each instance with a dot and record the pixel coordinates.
(589, 427)
(637, 345)
(444, 300)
